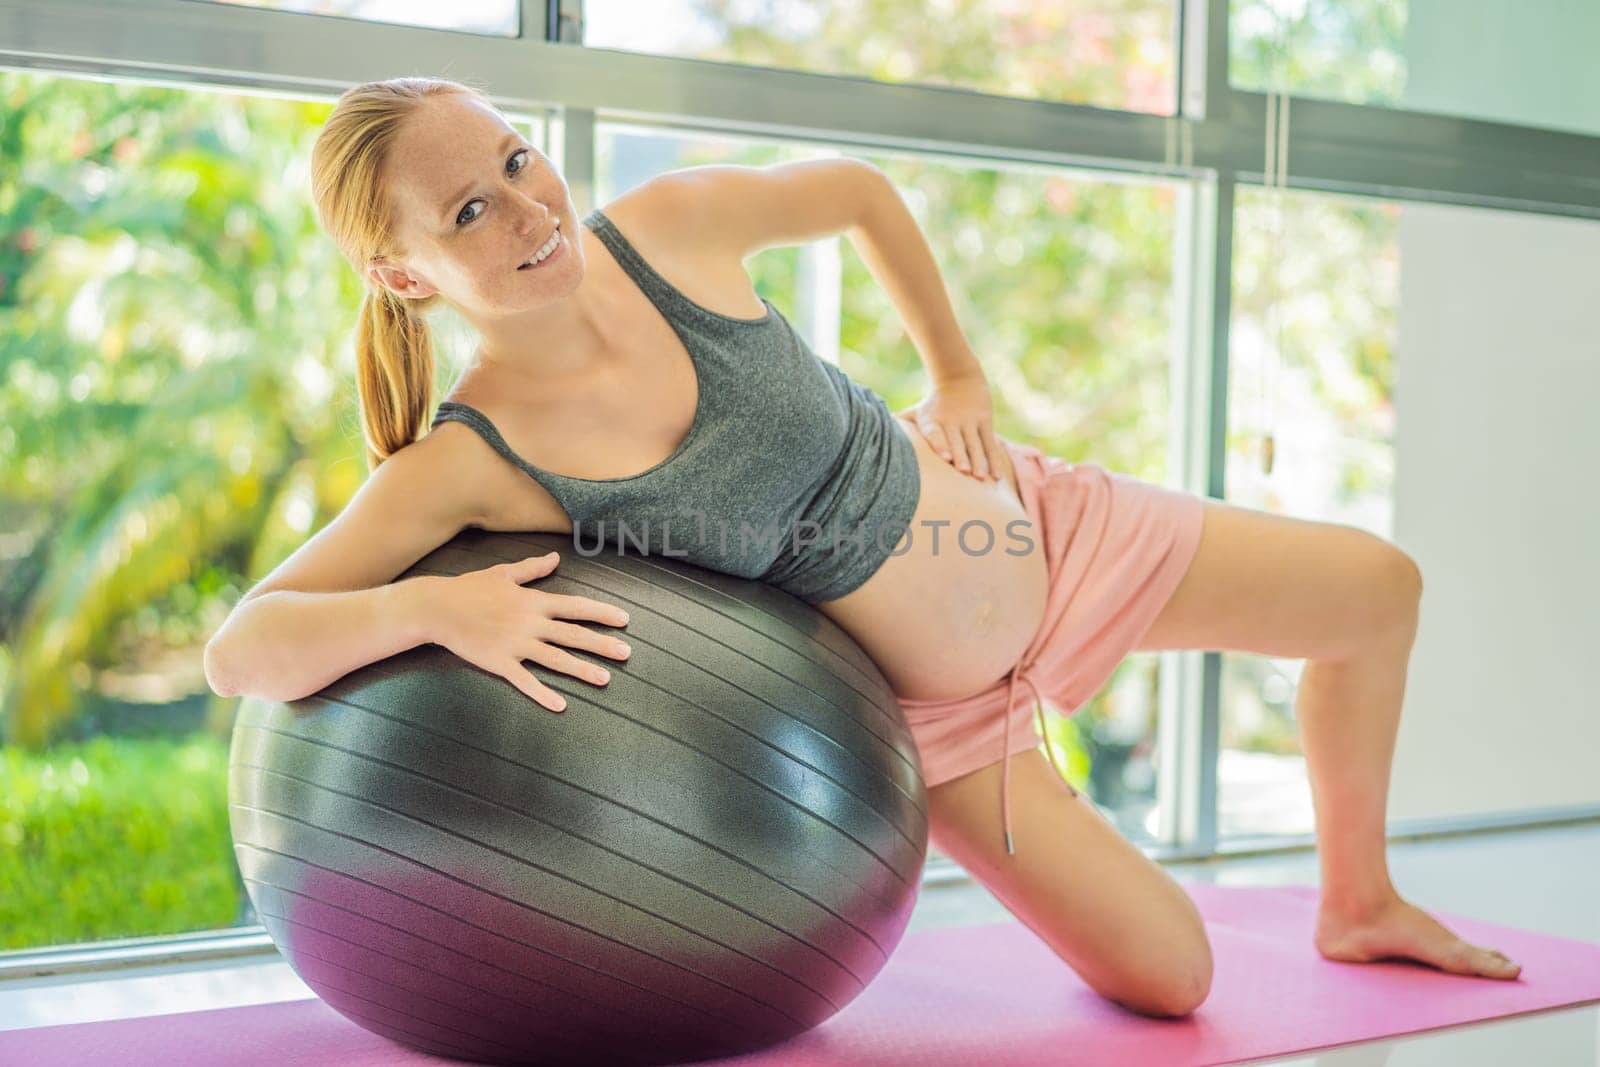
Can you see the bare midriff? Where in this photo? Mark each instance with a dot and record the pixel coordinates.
(948, 616)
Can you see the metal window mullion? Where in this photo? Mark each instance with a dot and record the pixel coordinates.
(1187, 724)
(573, 135)
(1188, 715)
(1407, 155)
(241, 943)
(1209, 721)
(563, 20)
(1202, 49)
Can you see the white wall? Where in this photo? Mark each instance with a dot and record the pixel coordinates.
(1497, 487)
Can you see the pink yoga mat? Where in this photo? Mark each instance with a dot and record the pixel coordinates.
(991, 995)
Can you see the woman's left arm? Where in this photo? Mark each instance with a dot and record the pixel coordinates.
(957, 415)
(747, 209)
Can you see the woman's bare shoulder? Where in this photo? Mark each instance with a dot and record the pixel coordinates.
(655, 215)
(670, 223)
(642, 204)
(492, 492)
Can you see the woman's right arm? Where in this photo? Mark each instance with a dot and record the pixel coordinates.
(333, 605)
(286, 644)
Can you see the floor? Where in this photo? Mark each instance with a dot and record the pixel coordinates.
(1555, 889)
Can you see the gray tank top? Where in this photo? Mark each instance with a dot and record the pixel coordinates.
(791, 473)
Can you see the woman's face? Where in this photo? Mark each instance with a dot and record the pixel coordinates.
(473, 201)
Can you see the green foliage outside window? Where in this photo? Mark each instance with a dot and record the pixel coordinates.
(112, 837)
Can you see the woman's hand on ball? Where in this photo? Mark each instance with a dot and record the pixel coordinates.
(496, 624)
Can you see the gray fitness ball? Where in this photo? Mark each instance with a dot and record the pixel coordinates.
(711, 854)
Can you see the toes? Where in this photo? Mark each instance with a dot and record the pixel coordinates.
(1500, 966)
(1487, 962)
(1458, 957)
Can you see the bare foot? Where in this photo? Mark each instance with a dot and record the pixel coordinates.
(1397, 929)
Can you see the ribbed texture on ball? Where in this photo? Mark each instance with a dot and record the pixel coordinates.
(710, 854)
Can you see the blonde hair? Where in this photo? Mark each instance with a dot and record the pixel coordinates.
(394, 343)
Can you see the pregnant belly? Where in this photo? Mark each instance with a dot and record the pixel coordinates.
(954, 611)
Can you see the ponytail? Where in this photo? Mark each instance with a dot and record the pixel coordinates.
(394, 344)
(394, 373)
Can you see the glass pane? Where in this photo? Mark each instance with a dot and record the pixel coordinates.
(178, 402)
(1311, 366)
(1528, 62)
(1062, 284)
(498, 17)
(1426, 373)
(1117, 54)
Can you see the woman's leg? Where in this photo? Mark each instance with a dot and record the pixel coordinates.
(1348, 602)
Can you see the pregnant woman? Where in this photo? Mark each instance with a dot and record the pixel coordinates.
(626, 370)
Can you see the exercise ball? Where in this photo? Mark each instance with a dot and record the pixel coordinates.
(716, 851)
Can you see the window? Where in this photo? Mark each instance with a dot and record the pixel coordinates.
(1116, 55)
(1516, 61)
(1311, 377)
(1424, 373)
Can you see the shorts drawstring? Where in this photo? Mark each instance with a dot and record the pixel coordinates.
(1025, 673)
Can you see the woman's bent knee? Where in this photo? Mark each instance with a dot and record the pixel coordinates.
(1192, 992)
(1398, 584)
(1168, 976)
(1177, 993)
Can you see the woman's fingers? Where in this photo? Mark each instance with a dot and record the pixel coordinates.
(575, 636)
(969, 447)
(557, 659)
(975, 448)
(582, 607)
(526, 570)
(958, 452)
(992, 447)
(531, 687)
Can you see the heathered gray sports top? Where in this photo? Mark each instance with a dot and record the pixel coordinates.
(790, 473)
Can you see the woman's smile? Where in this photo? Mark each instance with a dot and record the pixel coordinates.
(555, 253)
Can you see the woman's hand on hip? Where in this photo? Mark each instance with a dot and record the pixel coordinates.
(957, 418)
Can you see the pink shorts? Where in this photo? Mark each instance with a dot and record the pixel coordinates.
(1115, 549)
